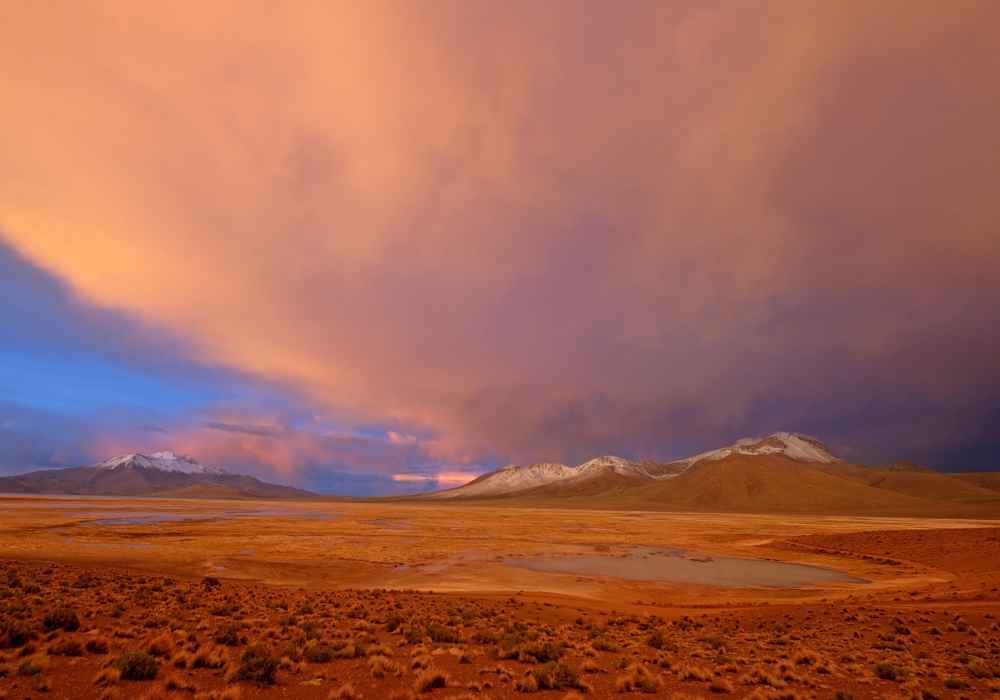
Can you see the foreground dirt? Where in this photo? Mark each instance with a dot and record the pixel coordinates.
(291, 616)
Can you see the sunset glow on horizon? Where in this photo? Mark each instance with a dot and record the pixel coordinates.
(372, 248)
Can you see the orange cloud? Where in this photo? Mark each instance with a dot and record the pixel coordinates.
(537, 231)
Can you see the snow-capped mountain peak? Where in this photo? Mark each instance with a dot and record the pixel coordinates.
(162, 461)
(513, 478)
(798, 447)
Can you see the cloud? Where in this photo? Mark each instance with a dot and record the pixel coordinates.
(507, 236)
(455, 478)
(244, 428)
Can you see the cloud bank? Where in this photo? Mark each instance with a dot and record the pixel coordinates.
(518, 232)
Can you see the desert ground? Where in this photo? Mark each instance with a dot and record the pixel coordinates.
(158, 598)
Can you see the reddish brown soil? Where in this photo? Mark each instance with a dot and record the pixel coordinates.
(935, 641)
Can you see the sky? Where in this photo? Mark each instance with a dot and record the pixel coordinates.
(383, 247)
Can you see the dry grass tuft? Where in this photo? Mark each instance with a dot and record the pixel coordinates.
(404, 694)
(760, 676)
(226, 694)
(690, 672)
(526, 684)
(209, 657)
(383, 665)
(638, 678)
(720, 685)
(108, 676)
(430, 678)
(98, 645)
(160, 645)
(345, 692)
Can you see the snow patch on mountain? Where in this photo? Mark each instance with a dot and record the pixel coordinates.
(163, 461)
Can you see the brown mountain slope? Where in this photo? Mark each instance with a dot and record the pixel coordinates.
(140, 481)
(208, 492)
(768, 484)
(985, 480)
(915, 481)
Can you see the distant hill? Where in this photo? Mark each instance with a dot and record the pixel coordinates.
(160, 474)
(784, 473)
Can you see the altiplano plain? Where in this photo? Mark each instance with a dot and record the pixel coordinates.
(379, 597)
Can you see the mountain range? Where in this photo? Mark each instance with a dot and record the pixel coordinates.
(162, 474)
(783, 473)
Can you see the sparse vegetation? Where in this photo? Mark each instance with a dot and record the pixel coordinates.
(61, 618)
(200, 634)
(136, 666)
(257, 666)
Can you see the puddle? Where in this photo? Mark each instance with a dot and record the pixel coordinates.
(432, 568)
(148, 515)
(678, 566)
(384, 523)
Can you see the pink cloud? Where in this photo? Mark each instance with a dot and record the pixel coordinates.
(536, 233)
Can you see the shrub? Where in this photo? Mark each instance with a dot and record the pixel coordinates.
(887, 672)
(257, 666)
(441, 634)
(14, 633)
(484, 636)
(136, 666)
(556, 676)
(843, 695)
(62, 619)
(955, 684)
(393, 620)
(983, 669)
(227, 633)
(658, 640)
(318, 653)
(210, 582)
(85, 580)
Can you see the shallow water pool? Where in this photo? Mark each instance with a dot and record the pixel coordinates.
(677, 566)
